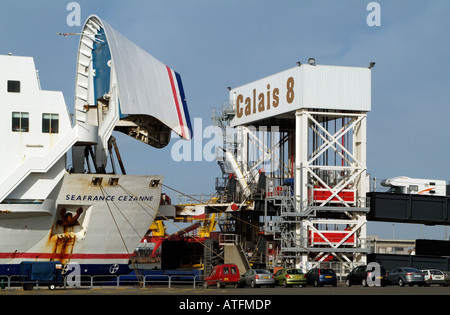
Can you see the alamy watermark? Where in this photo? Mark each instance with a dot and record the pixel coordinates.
(250, 144)
(373, 274)
(374, 17)
(74, 17)
(72, 272)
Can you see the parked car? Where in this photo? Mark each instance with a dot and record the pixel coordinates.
(359, 276)
(257, 277)
(434, 276)
(222, 275)
(447, 277)
(321, 276)
(406, 275)
(290, 276)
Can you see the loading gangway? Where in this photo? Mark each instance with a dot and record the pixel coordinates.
(409, 208)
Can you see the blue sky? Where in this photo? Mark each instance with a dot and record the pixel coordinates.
(216, 44)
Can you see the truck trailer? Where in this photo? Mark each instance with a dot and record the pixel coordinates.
(48, 273)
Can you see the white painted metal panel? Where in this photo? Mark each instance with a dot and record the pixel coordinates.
(337, 88)
(307, 86)
(146, 85)
(32, 150)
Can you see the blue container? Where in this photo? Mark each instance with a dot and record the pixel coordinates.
(41, 273)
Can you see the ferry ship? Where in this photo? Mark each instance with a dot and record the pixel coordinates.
(61, 195)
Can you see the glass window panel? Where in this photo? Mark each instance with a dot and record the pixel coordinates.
(20, 122)
(45, 123)
(14, 86)
(25, 122)
(16, 122)
(50, 123)
(54, 123)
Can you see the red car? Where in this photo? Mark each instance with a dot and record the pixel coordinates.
(223, 275)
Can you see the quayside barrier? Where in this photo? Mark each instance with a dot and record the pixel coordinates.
(91, 281)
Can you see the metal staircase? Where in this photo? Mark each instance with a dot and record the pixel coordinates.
(286, 222)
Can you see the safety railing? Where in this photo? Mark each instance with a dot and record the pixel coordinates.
(229, 239)
(92, 281)
(182, 199)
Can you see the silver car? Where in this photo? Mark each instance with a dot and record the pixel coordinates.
(406, 275)
(257, 277)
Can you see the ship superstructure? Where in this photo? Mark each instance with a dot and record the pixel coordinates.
(61, 197)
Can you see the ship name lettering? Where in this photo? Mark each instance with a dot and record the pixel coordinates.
(107, 198)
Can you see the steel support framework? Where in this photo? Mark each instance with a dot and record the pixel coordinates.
(322, 216)
(330, 187)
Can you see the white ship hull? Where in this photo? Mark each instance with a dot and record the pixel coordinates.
(79, 212)
(117, 211)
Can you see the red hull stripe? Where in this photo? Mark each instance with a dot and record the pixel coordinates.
(177, 104)
(61, 256)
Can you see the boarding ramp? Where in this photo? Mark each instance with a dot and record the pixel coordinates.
(233, 252)
(409, 208)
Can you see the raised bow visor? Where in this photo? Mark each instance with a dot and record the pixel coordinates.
(122, 87)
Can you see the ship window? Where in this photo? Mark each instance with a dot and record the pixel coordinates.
(14, 86)
(20, 122)
(50, 123)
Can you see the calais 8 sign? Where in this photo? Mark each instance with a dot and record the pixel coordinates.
(264, 100)
(306, 86)
(266, 97)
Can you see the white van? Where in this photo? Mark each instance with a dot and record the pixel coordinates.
(407, 185)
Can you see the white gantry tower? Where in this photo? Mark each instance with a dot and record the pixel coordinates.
(305, 130)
